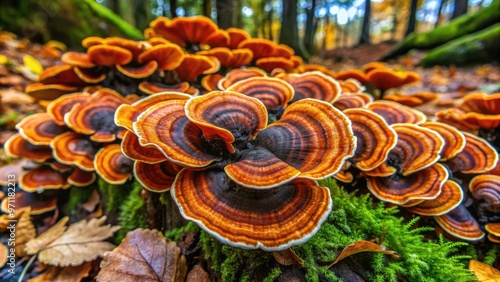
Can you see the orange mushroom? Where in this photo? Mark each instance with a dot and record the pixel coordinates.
(352, 100)
(39, 129)
(313, 85)
(139, 72)
(454, 140)
(449, 198)
(394, 112)
(478, 156)
(375, 138)
(386, 78)
(352, 74)
(112, 165)
(239, 74)
(72, 148)
(77, 59)
(194, 65)
(425, 184)
(270, 63)
(16, 146)
(156, 177)
(42, 178)
(493, 230)
(209, 82)
(39, 204)
(152, 88)
(168, 56)
(63, 74)
(460, 224)
(132, 149)
(351, 86)
(62, 105)
(261, 48)
(486, 189)
(236, 35)
(81, 178)
(108, 55)
(454, 117)
(49, 91)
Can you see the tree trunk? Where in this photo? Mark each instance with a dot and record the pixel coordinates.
(173, 8)
(310, 32)
(395, 22)
(143, 14)
(438, 16)
(207, 8)
(237, 14)
(289, 33)
(459, 27)
(270, 14)
(412, 20)
(365, 28)
(224, 13)
(461, 7)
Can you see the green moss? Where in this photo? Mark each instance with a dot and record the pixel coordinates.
(132, 213)
(113, 195)
(78, 196)
(353, 218)
(491, 256)
(176, 233)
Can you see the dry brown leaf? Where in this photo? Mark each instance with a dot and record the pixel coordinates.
(48, 275)
(92, 201)
(484, 272)
(288, 257)
(362, 246)
(63, 274)
(25, 231)
(81, 242)
(6, 220)
(144, 255)
(197, 274)
(35, 245)
(3, 254)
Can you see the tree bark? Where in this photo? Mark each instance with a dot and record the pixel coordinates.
(270, 15)
(173, 8)
(365, 28)
(461, 7)
(395, 22)
(207, 8)
(224, 13)
(438, 16)
(143, 14)
(310, 32)
(289, 33)
(237, 14)
(412, 20)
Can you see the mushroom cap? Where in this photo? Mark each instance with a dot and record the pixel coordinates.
(62, 74)
(227, 115)
(351, 86)
(270, 220)
(81, 178)
(152, 88)
(62, 105)
(239, 74)
(282, 50)
(382, 170)
(92, 41)
(311, 136)
(77, 59)
(236, 35)
(454, 140)
(416, 148)
(316, 67)
(261, 48)
(156, 177)
(49, 91)
(241, 57)
(90, 76)
(411, 77)
(71, 148)
(223, 54)
(42, 178)
(375, 138)
(460, 224)
(373, 65)
(219, 38)
(108, 55)
(481, 120)
(425, 184)
(352, 100)
(354, 74)
(493, 229)
(39, 204)
(486, 188)
(134, 47)
(412, 100)
(95, 117)
(39, 129)
(194, 65)
(132, 149)
(183, 30)
(16, 146)
(450, 197)
(168, 56)
(297, 61)
(126, 114)
(270, 63)
(385, 78)
(209, 82)
(481, 103)
(454, 117)
(315, 85)
(394, 112)
(142, 71)
(112, 165)
(478, 156)
(272, 92)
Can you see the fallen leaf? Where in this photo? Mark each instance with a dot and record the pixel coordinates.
(484, 272)
(4, 60)
(3, 254)
(288, 257)
(81, 242)
(32, 64)
(359, 247)
(144, 255)
(92, 202)
(48, 275)
(6, 219)
(25, 231)
(197, 274)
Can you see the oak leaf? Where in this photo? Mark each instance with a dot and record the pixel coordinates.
(197, 274)
(362, 246)
(80, 242)
(25, 231)
(143, 255)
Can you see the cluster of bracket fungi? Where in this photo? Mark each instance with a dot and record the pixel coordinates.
(239, 129)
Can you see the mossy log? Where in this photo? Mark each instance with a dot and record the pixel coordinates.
(461, 26)
(68, 21)
(477, 48)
